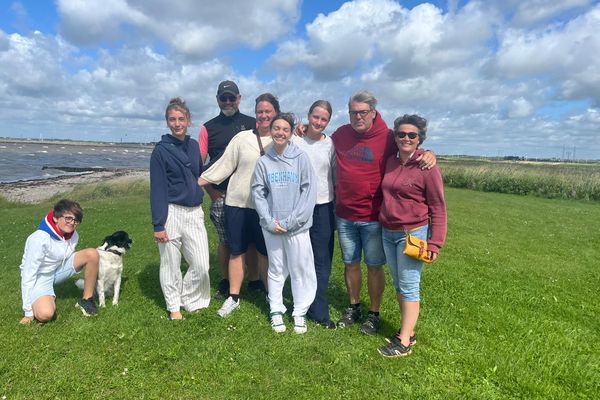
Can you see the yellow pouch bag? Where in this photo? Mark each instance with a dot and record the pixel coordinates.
(416, 248)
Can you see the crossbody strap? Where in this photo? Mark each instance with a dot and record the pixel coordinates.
(260, 146)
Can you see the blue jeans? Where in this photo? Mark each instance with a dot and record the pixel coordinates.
(361, 236)
(405, 270)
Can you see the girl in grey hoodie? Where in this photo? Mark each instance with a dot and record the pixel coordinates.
(284, 194)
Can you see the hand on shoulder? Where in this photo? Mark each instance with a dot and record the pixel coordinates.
(427, 160)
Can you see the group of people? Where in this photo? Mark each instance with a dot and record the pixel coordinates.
(279, 191)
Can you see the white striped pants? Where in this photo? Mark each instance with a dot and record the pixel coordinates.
(187, 236)
(293, 256)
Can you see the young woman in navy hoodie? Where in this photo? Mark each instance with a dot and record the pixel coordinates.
(177, 216)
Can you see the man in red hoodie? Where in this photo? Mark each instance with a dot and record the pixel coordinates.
(362, 148)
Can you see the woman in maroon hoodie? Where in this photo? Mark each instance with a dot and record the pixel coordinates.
(413, 201)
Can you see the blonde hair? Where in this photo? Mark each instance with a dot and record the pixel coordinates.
(178, 104)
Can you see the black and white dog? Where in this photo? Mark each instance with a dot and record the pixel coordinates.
(110, 267)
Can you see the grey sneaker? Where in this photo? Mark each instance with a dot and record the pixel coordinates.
(371, 325)
(277, 322)
(87, 307)
(394, 339)
(349, 317)
(395, 350)
(300, 324)
(228, 306)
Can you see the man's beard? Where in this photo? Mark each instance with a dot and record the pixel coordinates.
(229, 112)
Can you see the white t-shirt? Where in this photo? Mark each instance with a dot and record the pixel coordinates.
(322, 158)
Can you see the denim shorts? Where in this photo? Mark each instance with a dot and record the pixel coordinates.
(357, 237)
(405, 270)
(44, 283)
(241, 229)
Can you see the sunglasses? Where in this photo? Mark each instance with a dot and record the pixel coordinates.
(402, 135)
(227, 98)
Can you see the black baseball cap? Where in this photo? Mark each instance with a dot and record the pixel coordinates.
(228, 87)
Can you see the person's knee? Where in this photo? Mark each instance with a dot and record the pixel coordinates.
(44, 315)
(86, 256)
(353, 266)
(408, 292)
(94, 256)
(376, 272)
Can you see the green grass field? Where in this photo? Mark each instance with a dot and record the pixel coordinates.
(511, 310)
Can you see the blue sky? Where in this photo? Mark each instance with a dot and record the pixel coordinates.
(492, 77)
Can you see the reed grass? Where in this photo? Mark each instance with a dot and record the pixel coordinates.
(548, 180)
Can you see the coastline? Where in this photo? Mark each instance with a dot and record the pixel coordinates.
(59, 142)
(38, 190)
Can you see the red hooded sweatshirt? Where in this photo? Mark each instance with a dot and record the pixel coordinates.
(360, 164)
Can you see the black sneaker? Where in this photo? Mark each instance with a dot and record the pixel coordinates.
(87, 307)
(223, 291)
(349, 317)
(329, 324)
(256, 286)
(371, 325)
(395, 350)
(394, 339)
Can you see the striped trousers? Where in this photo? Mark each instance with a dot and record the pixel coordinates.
(187, 236)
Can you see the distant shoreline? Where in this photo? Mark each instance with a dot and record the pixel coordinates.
(62, 142)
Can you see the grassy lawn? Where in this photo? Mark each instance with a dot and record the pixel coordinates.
(511, 310)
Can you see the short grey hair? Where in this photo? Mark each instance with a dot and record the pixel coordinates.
(363, 96)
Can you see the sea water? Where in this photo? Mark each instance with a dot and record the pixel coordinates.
(20, 161)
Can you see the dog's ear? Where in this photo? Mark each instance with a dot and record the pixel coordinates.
(107, 240)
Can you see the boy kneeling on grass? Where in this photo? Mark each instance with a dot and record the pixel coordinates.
(284, 192)
(50, 258)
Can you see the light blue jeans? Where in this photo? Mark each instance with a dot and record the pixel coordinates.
(405, 270)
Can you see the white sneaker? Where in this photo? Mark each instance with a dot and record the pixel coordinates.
(277, 322)
(228, 306)
(300, 324)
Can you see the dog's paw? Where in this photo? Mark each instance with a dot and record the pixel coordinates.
(115, 304)
(102, 304)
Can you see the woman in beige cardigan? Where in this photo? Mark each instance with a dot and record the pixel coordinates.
(241, 220)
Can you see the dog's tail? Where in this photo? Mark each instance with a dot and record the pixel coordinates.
(79, 283)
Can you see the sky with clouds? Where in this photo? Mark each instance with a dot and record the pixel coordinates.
(496, 77)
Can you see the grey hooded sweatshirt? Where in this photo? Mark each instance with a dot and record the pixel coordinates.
(284, 190)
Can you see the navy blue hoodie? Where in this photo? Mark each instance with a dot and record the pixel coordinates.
(175, 166)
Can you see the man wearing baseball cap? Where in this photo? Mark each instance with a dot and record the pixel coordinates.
(214, 137)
